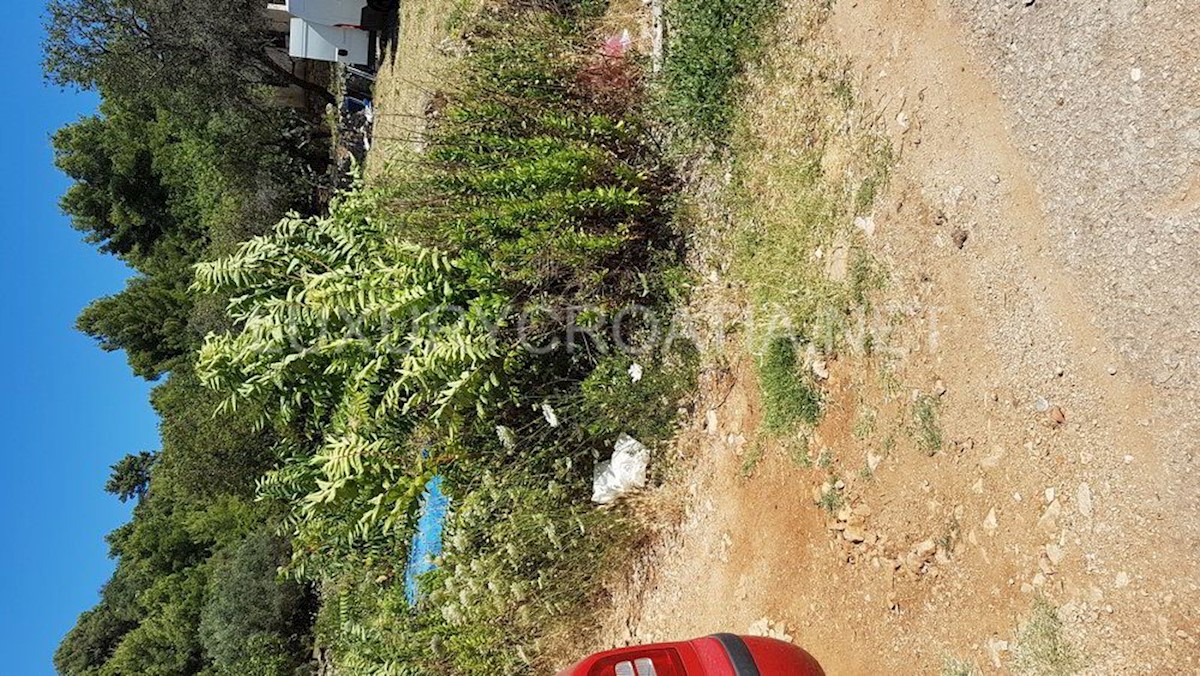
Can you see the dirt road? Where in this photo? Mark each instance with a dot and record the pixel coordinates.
(1041, 232)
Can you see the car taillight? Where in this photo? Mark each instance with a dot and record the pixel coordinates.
(661, 662)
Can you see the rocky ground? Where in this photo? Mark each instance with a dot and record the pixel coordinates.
(1041, 233)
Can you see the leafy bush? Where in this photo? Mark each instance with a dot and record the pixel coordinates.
(521, 557)
(646, 409)
(406, 308)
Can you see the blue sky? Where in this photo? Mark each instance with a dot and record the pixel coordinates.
(70, 410)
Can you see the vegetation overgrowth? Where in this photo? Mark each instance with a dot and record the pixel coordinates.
(479, 313)
(804, 168)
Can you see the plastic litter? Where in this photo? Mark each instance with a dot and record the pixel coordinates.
(427, 540)
(615, 46)
(549, 415)
(635, 372)
(624, 472)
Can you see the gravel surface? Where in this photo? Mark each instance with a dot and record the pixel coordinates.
(1104, 99)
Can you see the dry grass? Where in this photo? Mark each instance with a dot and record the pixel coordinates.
(409, 75)
(807, 160)
(1042, 649)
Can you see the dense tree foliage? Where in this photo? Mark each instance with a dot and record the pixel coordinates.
(186, 157)
(209, 454)
(148, 320)
(118, 199)
(249, 623)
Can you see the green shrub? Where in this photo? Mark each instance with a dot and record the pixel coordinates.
(521, 557)
(647, 409)
(710, 43)
(253, 623)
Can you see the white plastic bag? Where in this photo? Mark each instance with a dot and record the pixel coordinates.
(625, 471)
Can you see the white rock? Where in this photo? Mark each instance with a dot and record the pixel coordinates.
(1122, 580)
(820, 369)
(994, 457)
(996, 646)
(769, 629)
(1049, 521)
(873, 461)
(866, 224)
(1054, 553)
(989, 522)
(1135, 74)
(1083, 499)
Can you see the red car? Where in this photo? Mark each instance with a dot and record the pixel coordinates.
(716, 655)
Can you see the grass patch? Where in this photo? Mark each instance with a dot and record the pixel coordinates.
(825, 459)
(790, 398)
(410, 74)
(954, 666)
(926, 429)
(752, 458)
(832, 500)
(864, 423)
(797, 449)
(806, 162)
(1041, 649)
(709, 45)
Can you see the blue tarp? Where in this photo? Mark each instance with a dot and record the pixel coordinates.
(427, 541)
